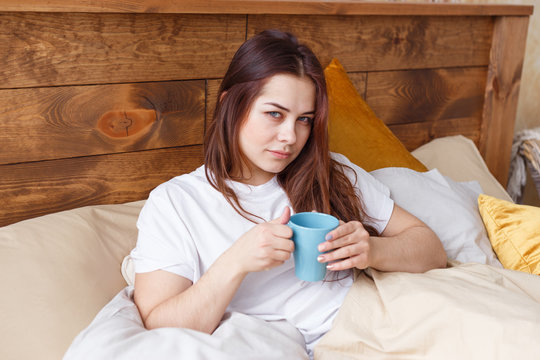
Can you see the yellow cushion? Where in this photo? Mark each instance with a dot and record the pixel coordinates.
(514, 232)
(356, 132)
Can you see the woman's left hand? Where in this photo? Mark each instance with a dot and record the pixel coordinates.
(347, 246)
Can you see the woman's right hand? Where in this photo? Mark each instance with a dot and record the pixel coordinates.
(264, 246)
(165, 299)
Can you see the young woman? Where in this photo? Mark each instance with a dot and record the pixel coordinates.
(216, 240)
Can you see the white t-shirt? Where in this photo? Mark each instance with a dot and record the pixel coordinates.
(186, 225)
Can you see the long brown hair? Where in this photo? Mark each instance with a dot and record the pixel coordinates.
(313, 181)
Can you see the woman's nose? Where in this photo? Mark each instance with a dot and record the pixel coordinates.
(287, 132)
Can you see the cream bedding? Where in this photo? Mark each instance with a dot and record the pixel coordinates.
(60, 270)
(467, 311)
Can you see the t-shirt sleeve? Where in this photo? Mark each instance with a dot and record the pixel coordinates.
(164, 241)
(374, 194)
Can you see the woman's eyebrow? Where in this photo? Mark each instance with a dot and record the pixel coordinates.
(278, 106)
(285, 109)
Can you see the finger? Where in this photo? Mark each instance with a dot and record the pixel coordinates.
(282, 231)
(284, 245)
(359, 262)
(334, 239)
(344, 252)
(284, 217)
(340, 236)
(280, 255)
(343, 229)
(343, 241)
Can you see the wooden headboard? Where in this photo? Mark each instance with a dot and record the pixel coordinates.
(103, 100)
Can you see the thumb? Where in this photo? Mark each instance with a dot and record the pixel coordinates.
(284, 217)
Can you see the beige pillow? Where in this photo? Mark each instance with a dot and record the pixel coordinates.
(56, 272)
(458, 158)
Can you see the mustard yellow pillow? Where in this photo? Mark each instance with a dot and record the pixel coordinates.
(356, 132)
(514, 232)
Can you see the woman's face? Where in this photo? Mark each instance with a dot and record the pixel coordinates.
(277, 126)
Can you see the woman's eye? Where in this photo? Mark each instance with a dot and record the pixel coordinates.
(305, 119)
(274, 114)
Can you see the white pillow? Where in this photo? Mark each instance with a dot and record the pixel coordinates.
(457, 157)
(449, 208)
(128, 270)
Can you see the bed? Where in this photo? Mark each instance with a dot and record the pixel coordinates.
(102, 101)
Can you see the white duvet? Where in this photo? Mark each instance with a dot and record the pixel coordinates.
(118, 333)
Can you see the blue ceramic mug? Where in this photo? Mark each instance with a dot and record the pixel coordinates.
(309, 230)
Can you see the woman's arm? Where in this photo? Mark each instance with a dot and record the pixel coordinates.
(165, 299)
(406, 244)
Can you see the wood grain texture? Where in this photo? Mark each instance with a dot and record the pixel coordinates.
(265, 7)
(502, 92)
(103, 103)
(413, 135)
(359, 81)
(40, 49)
(33, 189)
(212, 88)
(60, 122)
(427, 95)
(374, 43)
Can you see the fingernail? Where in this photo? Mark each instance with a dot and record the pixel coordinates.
(328, 237)
(320, 258)
(330, 266)
(321, 248)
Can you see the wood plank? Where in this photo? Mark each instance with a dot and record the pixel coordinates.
(33, 189)
(427, 95)
(502, 92)
(374, 43)
(413, 135)
(359, 81)
(212, 88)
(265, 7)
(61, 122)
(40, 49)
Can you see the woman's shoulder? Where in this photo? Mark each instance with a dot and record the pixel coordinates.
(343, 160)
(357, 175)
(192, 182)
(339, 157)
(175, 194)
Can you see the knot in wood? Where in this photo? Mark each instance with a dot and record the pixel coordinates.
(124, 123)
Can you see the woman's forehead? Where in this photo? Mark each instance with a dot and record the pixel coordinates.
(288, 89)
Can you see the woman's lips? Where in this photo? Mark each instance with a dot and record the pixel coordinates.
(280, 154)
